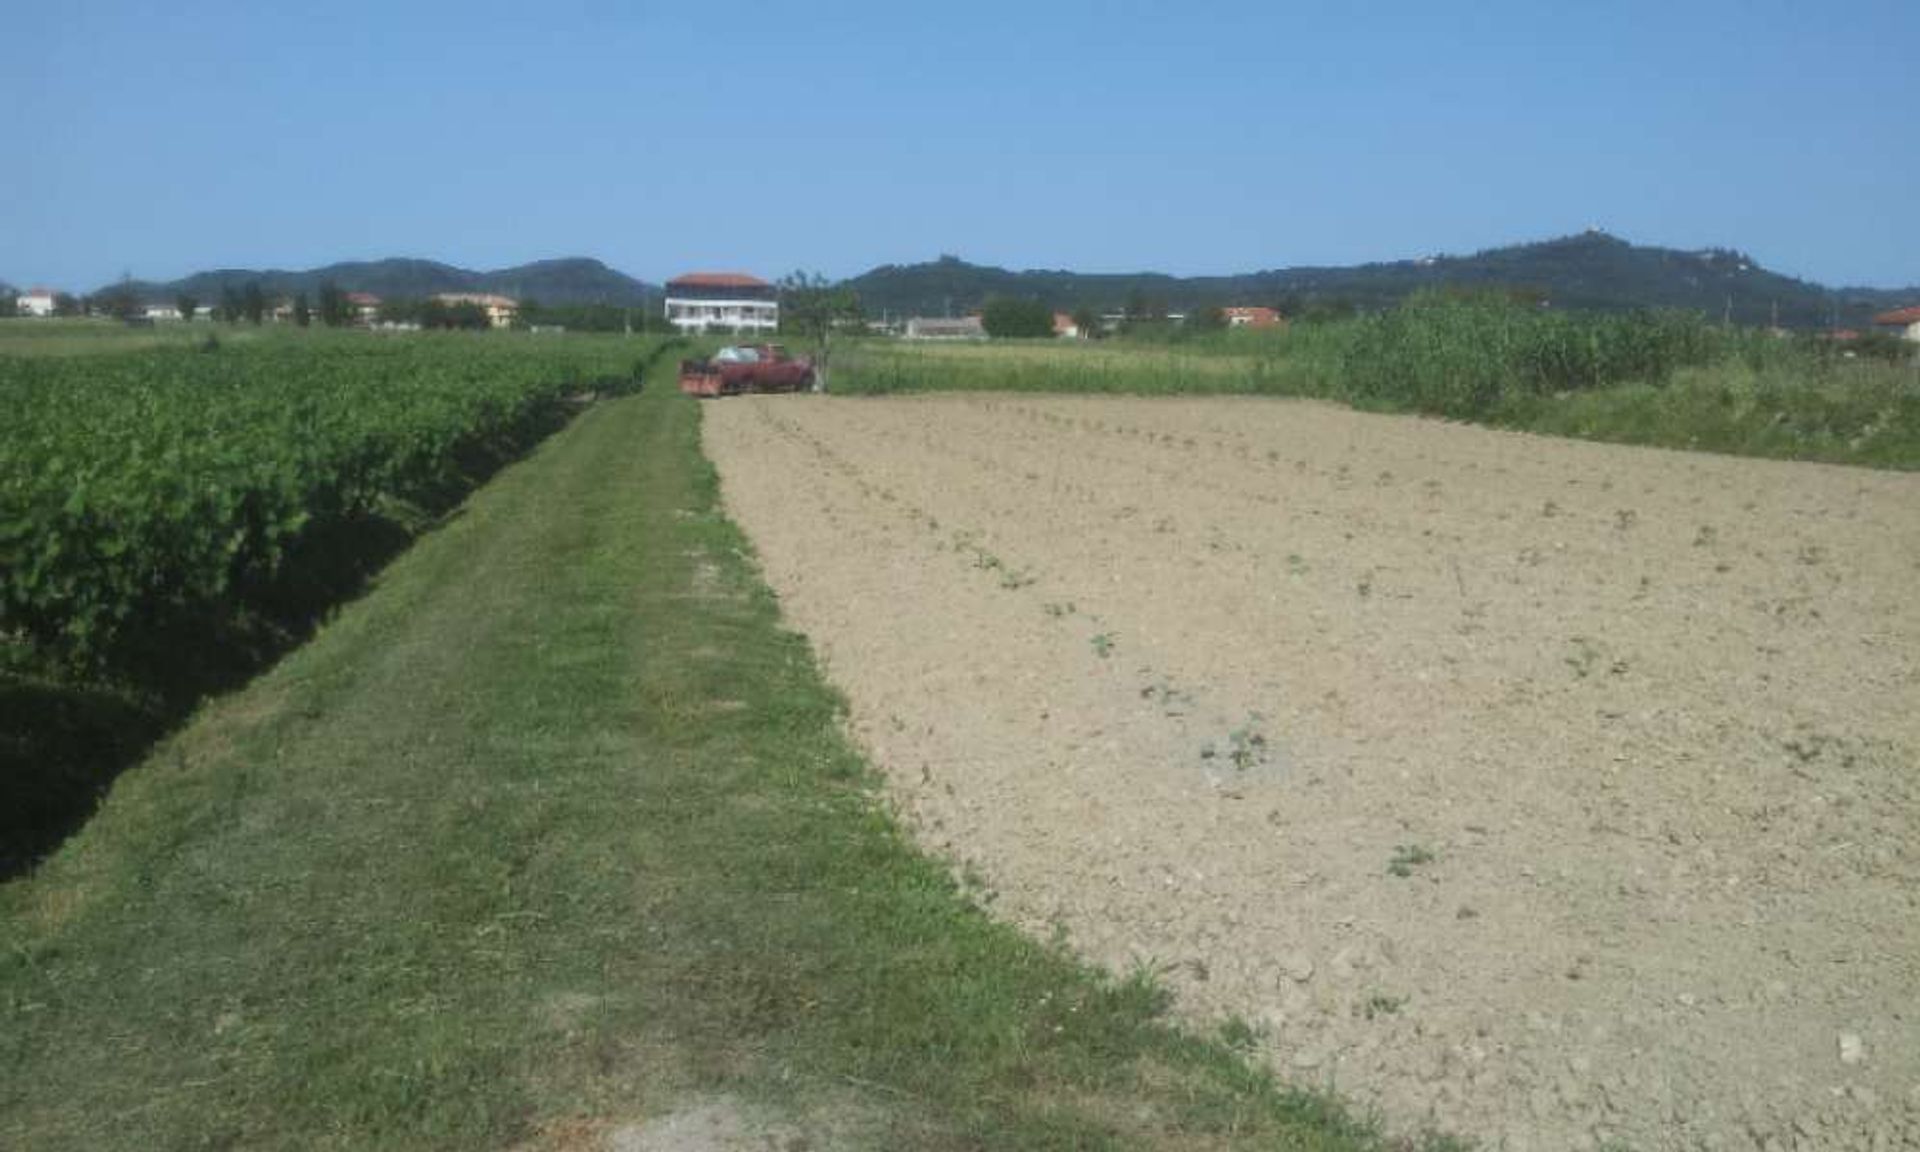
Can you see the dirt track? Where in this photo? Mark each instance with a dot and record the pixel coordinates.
(1184, 679)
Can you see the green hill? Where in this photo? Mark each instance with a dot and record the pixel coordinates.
(1590, 271)
(575, 280)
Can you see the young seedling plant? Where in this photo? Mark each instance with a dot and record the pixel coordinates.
(1407, 857)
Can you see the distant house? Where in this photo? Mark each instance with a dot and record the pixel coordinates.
(500, 310)
(160, 312)
(365, 307)
(36, 302)
(945, 328)
(1902, 322)
(1064, 326)
(1253, 318)
(724, 301)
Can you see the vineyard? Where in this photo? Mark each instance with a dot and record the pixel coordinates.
(171, 517)
(141, 487)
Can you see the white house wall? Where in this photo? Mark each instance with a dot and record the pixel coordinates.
(746, 315)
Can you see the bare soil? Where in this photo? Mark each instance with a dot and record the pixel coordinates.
(1549, 793)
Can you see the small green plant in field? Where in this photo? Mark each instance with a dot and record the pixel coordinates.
(1171, 700)
(1058, 609)
(1104, 643)
(1296, 564)
(1380, 1004)
(1011, 580)
(1407, 857)
(1247, 746)
(1238, 1034)
(1585, 655)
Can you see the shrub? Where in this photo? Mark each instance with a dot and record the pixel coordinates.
(1010, 317)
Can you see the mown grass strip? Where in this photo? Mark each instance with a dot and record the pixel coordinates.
(552, 832)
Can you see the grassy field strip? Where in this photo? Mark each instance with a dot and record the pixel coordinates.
(552, 832)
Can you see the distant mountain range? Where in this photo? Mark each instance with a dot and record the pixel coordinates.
(1593, 270)
(576, 280)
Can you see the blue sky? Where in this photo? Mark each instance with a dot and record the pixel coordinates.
(160, 139)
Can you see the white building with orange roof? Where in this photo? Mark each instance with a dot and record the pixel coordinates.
(1253, 317)
(1901, 322)
(365, 307)
(722, 301)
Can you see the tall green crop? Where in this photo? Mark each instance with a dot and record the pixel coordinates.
(141, 487)
(1462, 356)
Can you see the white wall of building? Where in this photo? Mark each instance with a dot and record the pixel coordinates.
(738, 315)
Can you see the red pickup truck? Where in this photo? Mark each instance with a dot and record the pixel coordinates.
(745, 368)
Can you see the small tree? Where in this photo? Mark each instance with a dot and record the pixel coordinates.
(811, 308)
(253, 302)
(1207, 318)
(67, 304)
(1087, 321)
(1006, 317)
(464, 314)
(398, 311)
(302, 315)
(185, 305)
(336, 311)
(9, 305)
(120, 301)
(231, 304)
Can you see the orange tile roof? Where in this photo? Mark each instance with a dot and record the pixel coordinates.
(718, 280)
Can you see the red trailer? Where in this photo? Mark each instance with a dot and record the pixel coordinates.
(743, 369)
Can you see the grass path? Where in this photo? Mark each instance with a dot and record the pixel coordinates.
(550, 833)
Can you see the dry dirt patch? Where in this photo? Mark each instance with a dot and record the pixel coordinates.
(1553, 793)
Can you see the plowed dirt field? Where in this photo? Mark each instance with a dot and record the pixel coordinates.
(1545, 792)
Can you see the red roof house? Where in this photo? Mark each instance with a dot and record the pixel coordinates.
(1253, 317)
(1901, 321)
